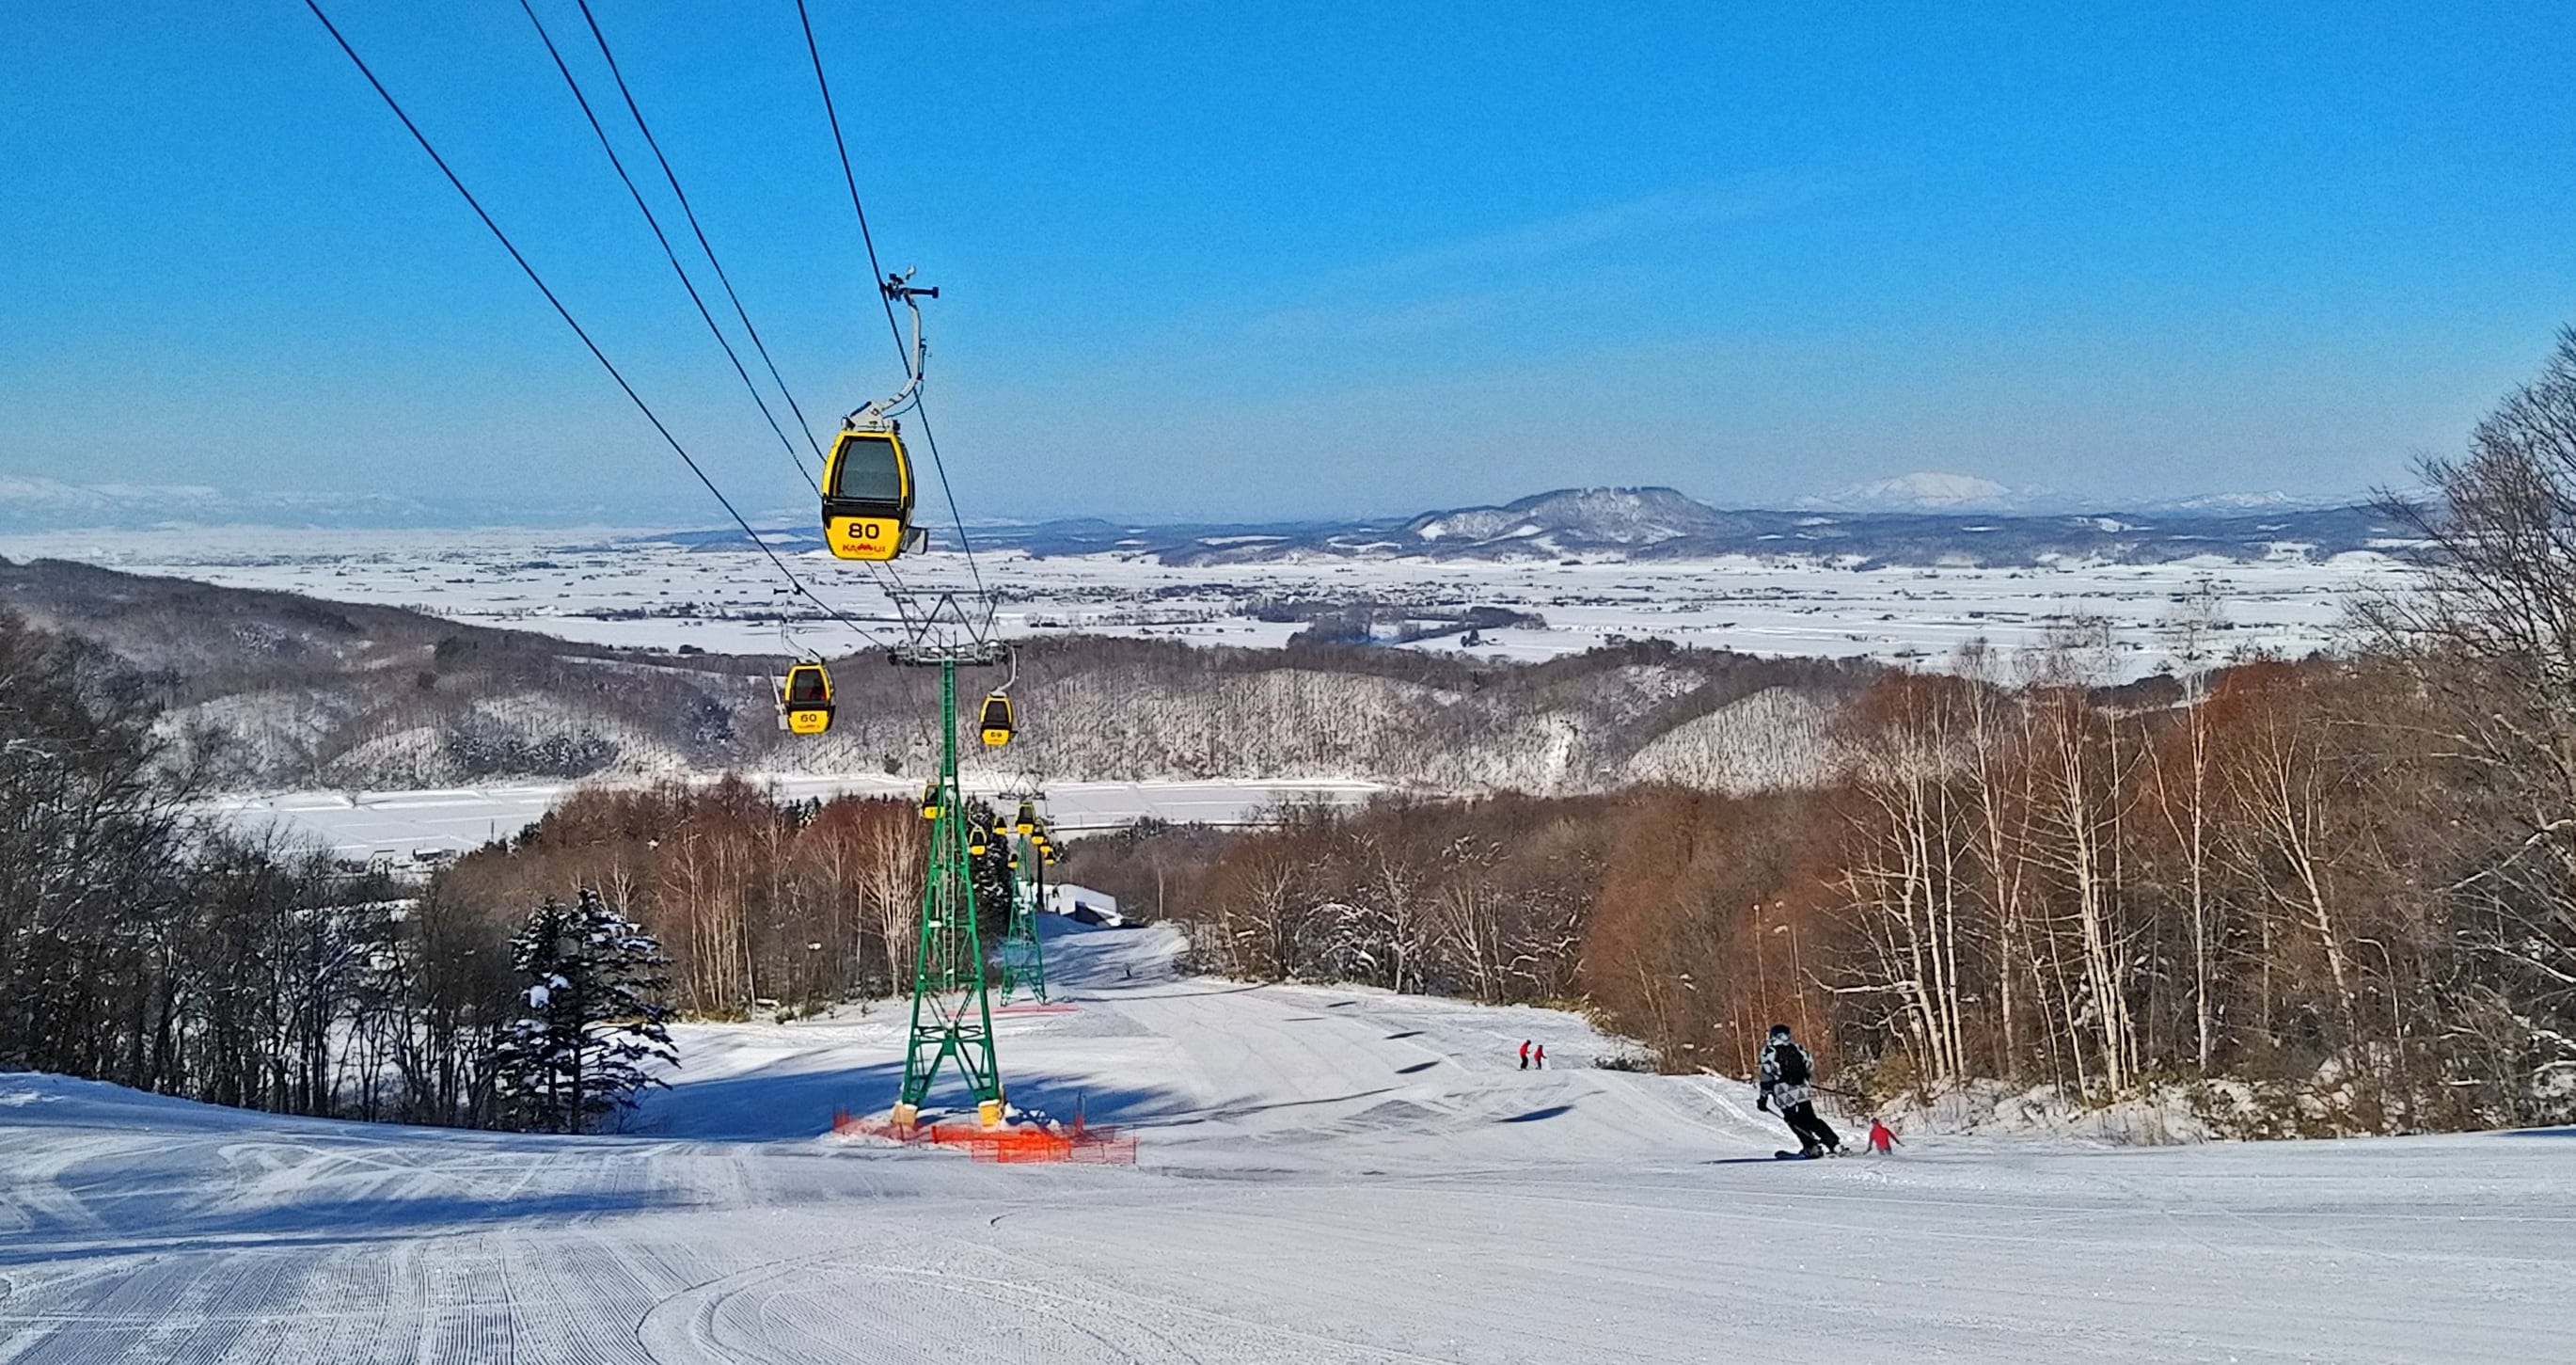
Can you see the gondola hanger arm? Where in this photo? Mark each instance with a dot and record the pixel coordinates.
(899, 286)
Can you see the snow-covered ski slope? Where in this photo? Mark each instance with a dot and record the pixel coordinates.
(1327, 1175)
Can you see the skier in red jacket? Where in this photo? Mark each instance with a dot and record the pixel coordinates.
(1525, 1047)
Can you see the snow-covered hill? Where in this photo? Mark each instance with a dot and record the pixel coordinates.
(1326, 1175)
(273, 690)
(1579, 516)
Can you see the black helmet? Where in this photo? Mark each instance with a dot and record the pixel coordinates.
(1779, 1030)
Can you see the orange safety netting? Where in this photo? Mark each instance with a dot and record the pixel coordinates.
(1008, 1145)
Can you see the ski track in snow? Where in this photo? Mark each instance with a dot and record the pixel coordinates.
(1328, 1175)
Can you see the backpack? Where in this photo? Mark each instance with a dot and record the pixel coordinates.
(1795, 1068)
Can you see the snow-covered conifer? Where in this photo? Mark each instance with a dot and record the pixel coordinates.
(593, 1016)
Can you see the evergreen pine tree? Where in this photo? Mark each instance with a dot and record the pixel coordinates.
(593, 1017)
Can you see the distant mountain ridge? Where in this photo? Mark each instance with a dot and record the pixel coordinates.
(1664, 524)
(1914, 520)
(1929, 491)
(1936, 491)
(40, 505)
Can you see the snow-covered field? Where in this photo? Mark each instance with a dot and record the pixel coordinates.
(585, 586)
(360, 824)
(1326, 1175)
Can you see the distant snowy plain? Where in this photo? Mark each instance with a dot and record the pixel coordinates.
(598, 587)
(1326, 1175)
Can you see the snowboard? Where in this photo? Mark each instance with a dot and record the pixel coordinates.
(1794, 1156)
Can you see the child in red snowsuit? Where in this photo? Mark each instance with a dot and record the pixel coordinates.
(1882, 1139)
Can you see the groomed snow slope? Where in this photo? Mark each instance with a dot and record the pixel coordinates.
(1328, 1175)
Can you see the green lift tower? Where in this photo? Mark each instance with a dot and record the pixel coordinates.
(952, 1015)
(1023, 957)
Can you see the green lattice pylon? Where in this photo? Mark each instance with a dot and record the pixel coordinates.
(951, 1014)
(1023, 960)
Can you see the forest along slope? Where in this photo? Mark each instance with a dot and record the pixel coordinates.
(272, 690)
(1328, 1175)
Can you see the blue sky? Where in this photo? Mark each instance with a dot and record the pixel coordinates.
(1251, 261)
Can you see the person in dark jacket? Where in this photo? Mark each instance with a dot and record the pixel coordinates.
(1788, 1087)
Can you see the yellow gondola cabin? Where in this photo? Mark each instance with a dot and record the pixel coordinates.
(805, 699)
(999, 722)
(867, 496)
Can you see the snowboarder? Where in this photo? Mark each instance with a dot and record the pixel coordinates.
(1788, 1077)
(1540, 1057)
(1525, 1047)
(1882, 1139)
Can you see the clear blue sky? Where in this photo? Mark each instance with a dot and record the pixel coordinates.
(1238, 260)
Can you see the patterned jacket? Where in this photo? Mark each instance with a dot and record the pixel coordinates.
(1786, 1093)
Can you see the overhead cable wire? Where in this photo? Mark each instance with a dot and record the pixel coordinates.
(932, 442)
(885, 577)
(795, 584)
(650, 220)
(700, 232)
(877, 272)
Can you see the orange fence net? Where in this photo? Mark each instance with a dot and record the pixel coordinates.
(1011, 1144)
